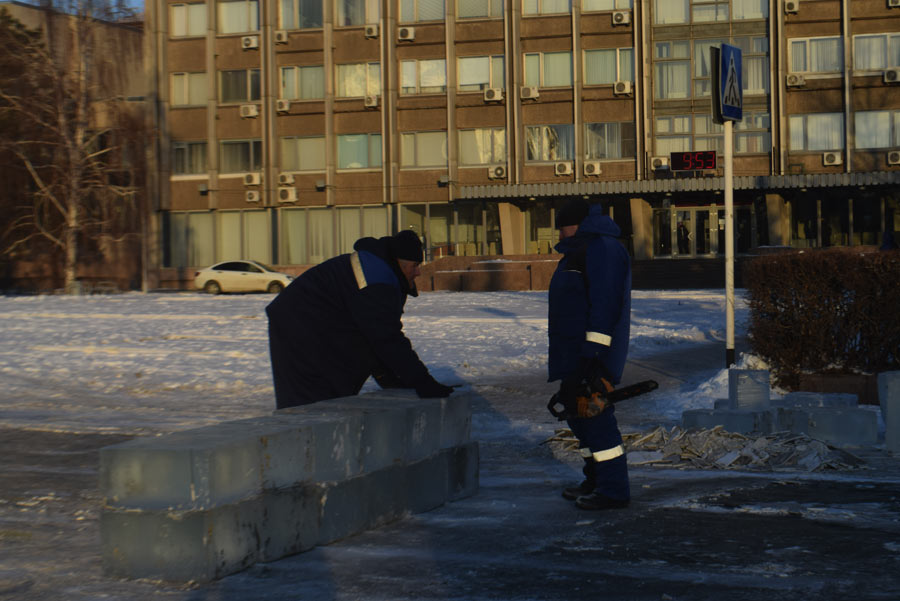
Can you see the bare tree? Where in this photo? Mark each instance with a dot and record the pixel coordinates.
(71, 139)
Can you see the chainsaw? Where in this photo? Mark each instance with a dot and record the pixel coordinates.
(589, 402)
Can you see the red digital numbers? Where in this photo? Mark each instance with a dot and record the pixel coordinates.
(692, 161)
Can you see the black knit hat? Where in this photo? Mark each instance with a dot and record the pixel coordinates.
(405, 244)
(572, 213)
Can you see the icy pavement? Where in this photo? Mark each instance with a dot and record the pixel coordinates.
(81, 373)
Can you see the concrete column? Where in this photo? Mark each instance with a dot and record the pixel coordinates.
(512, 228)
(642, 228)
(779, 221)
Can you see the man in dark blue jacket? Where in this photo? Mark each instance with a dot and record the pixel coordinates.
(339, 323)
(589, 322)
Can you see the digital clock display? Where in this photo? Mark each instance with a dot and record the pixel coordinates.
(692, 161)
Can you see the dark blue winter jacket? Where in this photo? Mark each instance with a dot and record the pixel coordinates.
(338, 323)
(590, 300)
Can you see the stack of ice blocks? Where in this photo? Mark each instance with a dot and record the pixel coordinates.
(200, 504)
(832, 417)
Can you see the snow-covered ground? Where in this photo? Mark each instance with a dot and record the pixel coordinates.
(140, 363)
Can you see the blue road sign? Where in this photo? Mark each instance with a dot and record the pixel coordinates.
(731, 94)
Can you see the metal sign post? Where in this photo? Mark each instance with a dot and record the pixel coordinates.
(727, 101)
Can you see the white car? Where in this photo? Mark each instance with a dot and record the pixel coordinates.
(240, 276)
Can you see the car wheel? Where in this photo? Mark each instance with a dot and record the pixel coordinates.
(212, 287)
(275, 287)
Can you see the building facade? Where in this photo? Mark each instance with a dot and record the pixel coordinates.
(290, 128)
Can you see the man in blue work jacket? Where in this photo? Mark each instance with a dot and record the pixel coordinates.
(339, 323)
(589, 322)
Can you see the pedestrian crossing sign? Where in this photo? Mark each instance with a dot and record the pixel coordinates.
(730, 89)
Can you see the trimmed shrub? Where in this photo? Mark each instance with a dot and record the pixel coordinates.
(825, 311)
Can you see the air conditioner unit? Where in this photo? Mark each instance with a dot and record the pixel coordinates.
(406, 34)
(621, 17)
(287, 194)
(659, 162)
(893, 157)
(530, 92)
(249, 41)
(251, 196)
(285, 179)
(249, 111)
(794, 80)
(252, 179)
(281, 36)
(592, 168)
(893, 3)
(792, 6)
(372, 30)
(832, 158)
(371, 101)
(493, 94)
(282, 105)
(892, 75)
(497, 172)
(622, 87)
(562, 168)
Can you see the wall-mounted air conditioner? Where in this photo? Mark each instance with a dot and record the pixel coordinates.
(893, 157)
(285, 179)
(795, 80)
(622, 88)
(249, 111)
(251, 196)
(792, 7)
(282, 105)
(281, 36)
(893, 3)
(493, 95)
(406, 34)
(892, 75)
(287, 194)
(252, 179)
(372, 31)
(249, 42)
(562, 168)
(592, 168)
(529, 92)
(371, 101)
(832, 158)
(659, 162)
(621, 17)
(497, 172)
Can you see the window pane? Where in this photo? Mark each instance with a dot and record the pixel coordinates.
(798, 56)
(432, 76)
(750, 9)
(672, 80)
(286, 13)
(431, 10)
(869, 52)
(320, 243)
(288, 82)
(431, 149)
(474, 73)
(472, 8)
(825, 55)
(312, 82)
(351, 80)
(200, 238)
(408, 77)
(558, 69)
(233, 86)
(554, 6)
(294, 235)
(349, 230)
(599, 66)
(626, 64)
(256, 236)
(873, 129)
(533, 70)
(375, 221)
(670, 11)
(755, 73)
(353, 151)
(310, 13)
(235, 157)
(825, 131)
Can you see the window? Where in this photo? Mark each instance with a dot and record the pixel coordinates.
(480, 72)
(479, 8)
(550, 142)
(816, 55)
(423, 149)
(423, 76)
(244, 235)
(357, 80)
(818, 131)
(482, 146)
(609, 140)
(412, 11)
(672, 133)
(608, 65)
(190, 239)
(300, 14)
(237, 16)
(545, 7)
(303, 83)
(303, 154)
(187, 20)
(597, 5)
(876, 52)
(357, 12)
(706, 11)
(753, 134)
(702, 67)
(672, 69)
(749, 9)
(188, 89)
(667, 12)
(359, 151)
(878, 129)
(241, 85)
(707, 134)
(755, 68)
(188, 158)
(548, 69)
(240, 156)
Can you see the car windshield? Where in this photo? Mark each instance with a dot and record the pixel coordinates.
(264, 266)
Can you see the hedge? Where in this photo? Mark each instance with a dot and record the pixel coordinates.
(825, 311)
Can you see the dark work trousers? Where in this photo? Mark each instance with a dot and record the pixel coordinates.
(601, 435)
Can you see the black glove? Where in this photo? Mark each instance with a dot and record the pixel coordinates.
(385, 378)
(432, 389)
(596, 375)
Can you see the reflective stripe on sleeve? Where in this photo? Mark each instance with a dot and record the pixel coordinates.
(599, 338)
(616, 451)
(358, 271)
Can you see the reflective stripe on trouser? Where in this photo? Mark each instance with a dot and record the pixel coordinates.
(602, 442)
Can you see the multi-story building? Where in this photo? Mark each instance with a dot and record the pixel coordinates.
(292, 127)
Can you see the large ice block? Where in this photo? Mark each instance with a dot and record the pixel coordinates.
(849, 426)
(336, 436)
(816, 399)
(290, 520)
(889, 399)
(733, 420)
(462, 471)
(366, 501)
(456, 420)
(748, 388)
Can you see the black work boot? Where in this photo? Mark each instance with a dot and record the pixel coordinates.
(596, 501)
(585, 488)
